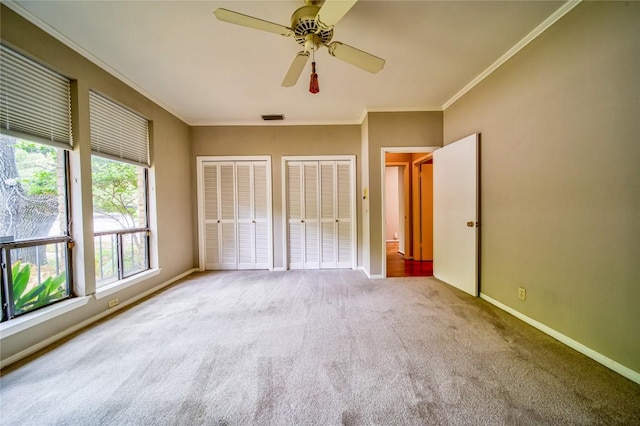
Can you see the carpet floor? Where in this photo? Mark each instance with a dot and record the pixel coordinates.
(313, 348)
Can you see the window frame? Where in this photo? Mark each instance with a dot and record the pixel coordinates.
(121, 275)
(8, 303)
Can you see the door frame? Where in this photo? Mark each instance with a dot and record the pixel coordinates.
(200, 160)
(354, 218)
(406, 228)
(383, 152)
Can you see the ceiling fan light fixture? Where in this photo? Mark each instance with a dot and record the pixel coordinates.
(311, 27)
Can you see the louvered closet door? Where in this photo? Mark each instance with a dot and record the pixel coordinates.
(336, 221)
(302, 214)
(212, 240)
(319, 214)
(344, 212)
(295, 216)
(311, 215)
(236, 214)
(253, 226)
(228, 247)
(328, 219)
(261, 215)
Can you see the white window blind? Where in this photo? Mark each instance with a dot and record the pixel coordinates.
(117, 132)
(35, 102)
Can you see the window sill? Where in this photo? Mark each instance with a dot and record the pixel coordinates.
(112, 288)
(16, 325)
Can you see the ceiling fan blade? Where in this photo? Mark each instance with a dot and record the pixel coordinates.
(297, 65)
(360, 59)
(251, 22)
(332, 11)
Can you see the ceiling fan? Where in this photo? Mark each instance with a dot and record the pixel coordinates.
(311, 26)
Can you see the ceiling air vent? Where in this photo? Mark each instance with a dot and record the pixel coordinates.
(272, 117)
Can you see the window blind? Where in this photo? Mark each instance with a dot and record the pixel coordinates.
(35, 102)
(117, 132)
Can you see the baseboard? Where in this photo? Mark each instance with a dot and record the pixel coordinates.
(371, 277)
(279, 269)
(43, 344)
(596, 356)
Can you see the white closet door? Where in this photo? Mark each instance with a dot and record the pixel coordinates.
(212, 227)
(336, 199)
(229, 252)
(244, 194)
(253, 215)
(303, 215)
(319, 214)
(236, 214)
(261, 215)
(294, 215)
(311, 213)
(344, 211)
(328, 226)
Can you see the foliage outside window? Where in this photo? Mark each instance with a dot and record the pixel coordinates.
(34, 235)
(120, 219)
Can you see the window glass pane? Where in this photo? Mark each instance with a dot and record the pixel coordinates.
(134, 253)
(119, 195)
(106, 252)
(32, 190)
(38, 275)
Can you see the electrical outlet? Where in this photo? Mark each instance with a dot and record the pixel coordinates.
(522, 293)
(113, 302)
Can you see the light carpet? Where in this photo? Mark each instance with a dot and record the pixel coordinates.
(313, 348)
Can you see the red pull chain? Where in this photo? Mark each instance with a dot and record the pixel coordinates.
(314, 87)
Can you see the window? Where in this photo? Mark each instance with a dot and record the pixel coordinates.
(119, 219)
(35, 132)
(119, 170)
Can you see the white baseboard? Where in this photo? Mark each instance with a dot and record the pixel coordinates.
(370, 276)
(279, 269)
(596, 356)
(43, 344)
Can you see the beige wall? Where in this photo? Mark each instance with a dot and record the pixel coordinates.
(392, 129)
(276, 141)
(560, 177)
(171, 178)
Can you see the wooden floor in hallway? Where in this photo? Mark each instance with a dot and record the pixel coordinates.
(398, 266)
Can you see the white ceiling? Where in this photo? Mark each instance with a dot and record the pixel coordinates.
(209, 72)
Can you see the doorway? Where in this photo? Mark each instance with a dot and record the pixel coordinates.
(407, 211)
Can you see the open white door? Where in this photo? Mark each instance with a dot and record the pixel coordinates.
(455, 214)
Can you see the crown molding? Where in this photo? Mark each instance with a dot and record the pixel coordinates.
(552, 19)
(366, 111)
(283, 123)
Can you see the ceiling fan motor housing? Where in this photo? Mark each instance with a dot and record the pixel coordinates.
(304, 22)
